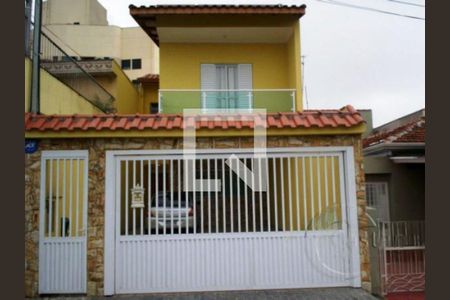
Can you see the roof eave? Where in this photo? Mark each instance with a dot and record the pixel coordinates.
(381, 147)
(146, 16)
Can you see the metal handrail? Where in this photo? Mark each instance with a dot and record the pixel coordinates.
(105, 107)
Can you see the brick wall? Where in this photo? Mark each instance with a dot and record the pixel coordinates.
(96, 193)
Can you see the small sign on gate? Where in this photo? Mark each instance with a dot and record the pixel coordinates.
(137, 197)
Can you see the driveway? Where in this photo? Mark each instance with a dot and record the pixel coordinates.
(307, 294)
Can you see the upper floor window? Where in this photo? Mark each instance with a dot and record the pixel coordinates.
(125, 64)
(226, 85)
(131, 64)
(136, 63)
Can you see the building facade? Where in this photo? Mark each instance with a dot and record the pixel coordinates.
(81, 28)
(119, 203)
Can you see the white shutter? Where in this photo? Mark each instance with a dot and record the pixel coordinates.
(208, 76)
(245, 79)
(245, 82)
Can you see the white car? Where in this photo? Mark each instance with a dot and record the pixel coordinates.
(170, 211)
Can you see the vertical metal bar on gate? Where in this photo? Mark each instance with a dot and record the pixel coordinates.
(164, 193)
(217, 195)
(70, 197)
(133, 208)
(141, 210)
(260, 195)
(290, 194)
(333, 180)
(149, 196)
(305, 206)
(283, 210)
(78, 198)
(194, 194)
(202, 224)
(297, 193)
(246, 200)
(275, 202)
(311, 178)
(50, 199)
(224, 214)
(57, 200)
(253, 196)
(319, 188)
(179, 198)
(238, 197)
(64, 201)
(209, 194)
(231, 198)
(156, 197)
(268, 194)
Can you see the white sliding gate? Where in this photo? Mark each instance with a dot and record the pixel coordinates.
(297, 233)
(63, 221)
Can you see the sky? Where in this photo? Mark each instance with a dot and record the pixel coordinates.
(352, 56)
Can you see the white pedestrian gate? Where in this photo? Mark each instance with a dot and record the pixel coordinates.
(295, 234)
(63, 221)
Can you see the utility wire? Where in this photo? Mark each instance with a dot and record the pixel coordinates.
(406, 3)
(368, 9)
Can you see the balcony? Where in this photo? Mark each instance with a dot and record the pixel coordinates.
(173, 101)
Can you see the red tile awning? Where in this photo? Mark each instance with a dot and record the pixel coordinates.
(149, 78)
(345, 117)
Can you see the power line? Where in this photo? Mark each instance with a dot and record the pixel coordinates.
(406, 3)
(369, 9)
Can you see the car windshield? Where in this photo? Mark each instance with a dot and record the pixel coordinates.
(168, 197)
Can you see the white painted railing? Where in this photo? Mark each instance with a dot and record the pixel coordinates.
(274, 100)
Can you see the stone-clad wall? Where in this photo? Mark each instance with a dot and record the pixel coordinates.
(96, 194)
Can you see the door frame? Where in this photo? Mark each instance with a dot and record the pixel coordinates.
(348, 169)
(62, 154)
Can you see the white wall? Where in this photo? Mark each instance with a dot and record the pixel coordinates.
(85, 12)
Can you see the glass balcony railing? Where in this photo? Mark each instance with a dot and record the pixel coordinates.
(273, 100)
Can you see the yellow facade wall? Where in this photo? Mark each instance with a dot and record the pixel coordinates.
(180, 63)
(127, 96)
(125, 93)
(150, 95)
(294, 64)
(28, 68)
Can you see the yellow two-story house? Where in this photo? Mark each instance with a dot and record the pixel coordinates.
(224, 182)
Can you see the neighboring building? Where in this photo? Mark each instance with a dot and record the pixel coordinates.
(394, 166)
(84, 87)
(114, 207)
(81, 28)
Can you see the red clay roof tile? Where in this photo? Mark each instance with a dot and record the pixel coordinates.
(345, 117)
(413, 132)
